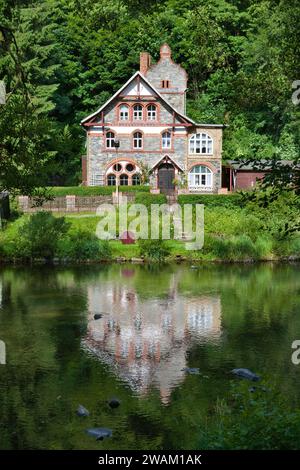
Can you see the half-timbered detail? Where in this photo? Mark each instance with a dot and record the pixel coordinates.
(145, 125)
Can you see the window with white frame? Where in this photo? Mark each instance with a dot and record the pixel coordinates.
(111, 180)
(110, 140)
(138, 112)
(136, 179)
(124, 180)
(166, 140)
(201, 143)
(199, 176)
(124, 112)
(151, 112)
(137, 140)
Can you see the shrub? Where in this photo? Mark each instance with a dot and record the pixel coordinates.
(233, 248)
(60, 191)
(147, 199)
(82, 245)
(154, 250)
(38, 237)
(212, 200)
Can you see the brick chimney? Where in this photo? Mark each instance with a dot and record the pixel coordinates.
(145, 62)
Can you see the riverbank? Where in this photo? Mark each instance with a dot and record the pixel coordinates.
(232, 233)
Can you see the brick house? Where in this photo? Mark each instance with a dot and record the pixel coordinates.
(144, 126)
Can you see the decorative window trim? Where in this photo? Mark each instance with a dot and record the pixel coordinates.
(164, 139)
(202, 142)
(134, 138)
(141, 111)
(122, 118)
(123, 177)
(134, 177)
(151, 114)
(200, 179)
(111, 175)
(110, 140)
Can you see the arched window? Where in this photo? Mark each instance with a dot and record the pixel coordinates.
(166, 140)
(110, 140)
(138, 112)
(201, 143)
(124, 112)
(137, 140)
(111, 180)
(136, 179)
(200, 176)
(151, 112)
(124, 180)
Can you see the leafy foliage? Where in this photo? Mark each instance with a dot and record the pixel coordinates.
(147, 199)
(153, 250)
(232, 200)
(241, 58)
(80, 245)
(38, 237)
(93, 190)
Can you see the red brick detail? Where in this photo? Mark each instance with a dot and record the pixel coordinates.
(247, 179)
(208, 164)
(84, 170)
(145, 62)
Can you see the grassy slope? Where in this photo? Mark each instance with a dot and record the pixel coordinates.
(230, 234)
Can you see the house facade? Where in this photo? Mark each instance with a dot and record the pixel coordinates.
(143, 129)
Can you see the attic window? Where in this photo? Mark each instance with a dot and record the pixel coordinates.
(165, 84)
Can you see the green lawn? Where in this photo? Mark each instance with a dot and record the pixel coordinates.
(231, 234)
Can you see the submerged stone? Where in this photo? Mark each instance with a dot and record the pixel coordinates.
(99, 433)
(114, 403)
(191, 370)
(82, 411)
(97, 316)
(246, 374)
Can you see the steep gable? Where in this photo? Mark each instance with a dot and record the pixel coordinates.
(136, 86)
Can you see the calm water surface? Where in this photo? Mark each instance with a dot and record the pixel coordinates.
(156, 321)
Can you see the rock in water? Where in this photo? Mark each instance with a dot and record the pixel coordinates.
(114, 403)
(99, 433)
(191, 370)
(246, 374)
(97, 316)
(82, 411)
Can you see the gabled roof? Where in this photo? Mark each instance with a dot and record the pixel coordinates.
(259, 165)
(166, 158)
(137, 74)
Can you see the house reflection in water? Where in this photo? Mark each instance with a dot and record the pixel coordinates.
(145, 341)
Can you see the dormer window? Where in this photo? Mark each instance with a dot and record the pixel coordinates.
(124, 112)
(138, 112)
(151, 112)
(165, 84)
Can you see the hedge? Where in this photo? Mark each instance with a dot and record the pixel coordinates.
(60, 191)
(212, 200)
(147, 199)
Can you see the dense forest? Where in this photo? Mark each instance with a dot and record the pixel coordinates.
(62, 59)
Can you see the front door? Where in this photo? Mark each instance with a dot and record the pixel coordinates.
(166, 176)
